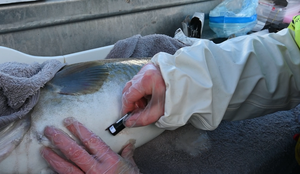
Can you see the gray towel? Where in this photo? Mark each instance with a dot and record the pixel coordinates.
(20, 85)
(146, 46)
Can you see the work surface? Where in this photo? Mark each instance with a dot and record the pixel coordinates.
(260, 145)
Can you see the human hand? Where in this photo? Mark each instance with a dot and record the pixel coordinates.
(97, 157)
(144, 96)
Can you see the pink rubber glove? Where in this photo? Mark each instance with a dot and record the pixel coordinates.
(96, 158)
(144, 96)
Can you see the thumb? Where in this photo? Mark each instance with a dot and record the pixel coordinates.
(134, 119)
(128, 150)
(144, 116)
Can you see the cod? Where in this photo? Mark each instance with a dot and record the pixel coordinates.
(90, 92)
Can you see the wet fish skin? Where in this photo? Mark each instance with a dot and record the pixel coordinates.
(96, 104)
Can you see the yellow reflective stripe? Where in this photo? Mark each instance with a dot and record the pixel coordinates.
(295, 25)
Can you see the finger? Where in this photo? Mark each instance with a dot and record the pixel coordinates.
(129, 99)
(143, 117)
(142, 103)
(127, 85)
(137, 91)
(128, 151)
(70, 148)
(93, 143)
(59, 165)
(138, 87)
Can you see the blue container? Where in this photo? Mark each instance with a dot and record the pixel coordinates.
(226, 26)
(233, 17)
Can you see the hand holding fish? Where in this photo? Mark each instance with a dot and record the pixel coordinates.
(96, 157)
(144, 96)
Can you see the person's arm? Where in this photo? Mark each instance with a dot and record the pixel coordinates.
(241, 78)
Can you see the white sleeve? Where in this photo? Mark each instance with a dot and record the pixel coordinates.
(241, 78)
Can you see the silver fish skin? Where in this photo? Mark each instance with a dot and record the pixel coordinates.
(91, 93)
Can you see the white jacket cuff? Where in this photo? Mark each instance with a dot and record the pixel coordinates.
(203, 80)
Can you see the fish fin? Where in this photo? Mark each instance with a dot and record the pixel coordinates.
(12, 135)
(80, 78)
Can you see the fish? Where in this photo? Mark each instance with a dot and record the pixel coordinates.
(90, 92)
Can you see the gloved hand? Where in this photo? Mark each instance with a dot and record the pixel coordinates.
(97, 157)
(144, 96)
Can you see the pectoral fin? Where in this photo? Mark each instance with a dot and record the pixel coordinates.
(80, 78)
(12, 135)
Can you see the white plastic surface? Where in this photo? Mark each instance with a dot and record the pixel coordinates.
(10, 55)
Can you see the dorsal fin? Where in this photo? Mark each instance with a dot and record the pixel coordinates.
(80, 78)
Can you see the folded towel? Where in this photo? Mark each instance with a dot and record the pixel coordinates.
(146, 46)
(20, 85)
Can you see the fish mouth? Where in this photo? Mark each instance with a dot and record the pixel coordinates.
(12, 135)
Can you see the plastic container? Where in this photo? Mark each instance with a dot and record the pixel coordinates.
(277, 14)
(263, 10)
(228, 29)
(233, 17)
